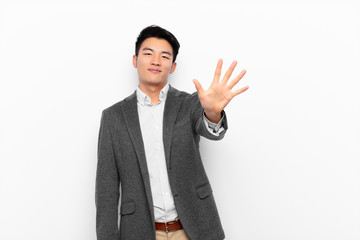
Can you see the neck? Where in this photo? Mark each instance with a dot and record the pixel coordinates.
(152, 90)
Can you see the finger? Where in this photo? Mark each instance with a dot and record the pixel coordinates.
(218, 71)
(198, 86)
(229, 72)
(237, 79)
(238, 91)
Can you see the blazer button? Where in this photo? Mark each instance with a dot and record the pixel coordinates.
(176, 195)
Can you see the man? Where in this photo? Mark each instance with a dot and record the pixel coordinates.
(149, 144)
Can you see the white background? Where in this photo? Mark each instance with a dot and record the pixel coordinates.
(288, 167)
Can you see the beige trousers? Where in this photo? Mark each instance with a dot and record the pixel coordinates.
(179, 234)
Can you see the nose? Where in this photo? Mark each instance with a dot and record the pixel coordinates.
(155, 60)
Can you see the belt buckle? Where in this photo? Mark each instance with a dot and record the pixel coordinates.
(166, 227)
(171, 222)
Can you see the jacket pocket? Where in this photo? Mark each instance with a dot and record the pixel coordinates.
(127, 208)
(204, 190)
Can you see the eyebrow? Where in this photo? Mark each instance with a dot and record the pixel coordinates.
(150, 49)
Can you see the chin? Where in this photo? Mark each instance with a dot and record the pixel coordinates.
(155, 82)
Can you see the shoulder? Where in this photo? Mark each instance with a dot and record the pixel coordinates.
(185, 96)
(115, 108)
(186, 102)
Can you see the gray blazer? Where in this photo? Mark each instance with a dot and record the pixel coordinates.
(121, 159)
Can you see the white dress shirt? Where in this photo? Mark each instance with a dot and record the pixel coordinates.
(151, 120)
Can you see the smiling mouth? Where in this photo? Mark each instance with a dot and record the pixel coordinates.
(154, 70)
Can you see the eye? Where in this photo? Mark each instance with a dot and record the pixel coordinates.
(166, 57)
(147, 53)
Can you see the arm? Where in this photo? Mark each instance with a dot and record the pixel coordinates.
(214, 128)
(106, 186)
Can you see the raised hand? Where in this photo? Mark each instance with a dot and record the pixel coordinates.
(219, 94)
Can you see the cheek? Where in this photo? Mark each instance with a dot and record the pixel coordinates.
(141, 66)
(167, 66)
(142, 60)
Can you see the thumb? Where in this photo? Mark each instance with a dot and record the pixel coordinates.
(198, 85)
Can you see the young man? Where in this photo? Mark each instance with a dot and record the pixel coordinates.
(149, 144)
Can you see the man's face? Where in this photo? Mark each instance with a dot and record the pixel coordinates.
(154, 61)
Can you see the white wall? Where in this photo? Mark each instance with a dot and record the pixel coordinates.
(288, 167)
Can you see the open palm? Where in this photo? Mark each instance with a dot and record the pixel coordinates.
(219, 94)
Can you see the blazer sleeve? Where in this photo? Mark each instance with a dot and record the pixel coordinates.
(106, 186)
(200, 128)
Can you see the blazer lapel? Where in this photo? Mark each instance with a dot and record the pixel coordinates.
(172, 106)
(131, 116)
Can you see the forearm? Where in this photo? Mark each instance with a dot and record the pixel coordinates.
(214, 128)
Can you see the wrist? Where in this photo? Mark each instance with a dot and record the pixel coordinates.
(214, 117)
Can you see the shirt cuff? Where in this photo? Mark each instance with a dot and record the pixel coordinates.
(214, 128)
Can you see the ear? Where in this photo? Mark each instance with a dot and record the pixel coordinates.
(173, 68)
(134, 61)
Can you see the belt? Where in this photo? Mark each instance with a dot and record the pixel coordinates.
(168, 226)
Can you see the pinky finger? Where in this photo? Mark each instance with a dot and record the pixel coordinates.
(241, 90)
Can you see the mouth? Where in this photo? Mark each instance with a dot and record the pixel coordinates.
(153, 70)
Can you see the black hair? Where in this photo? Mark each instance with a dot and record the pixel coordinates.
(158, 32)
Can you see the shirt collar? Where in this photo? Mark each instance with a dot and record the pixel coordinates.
(144, 99)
